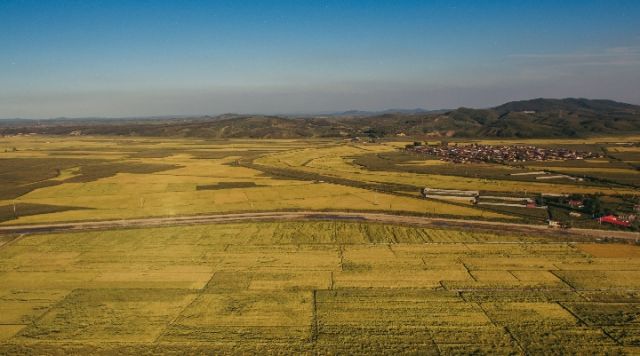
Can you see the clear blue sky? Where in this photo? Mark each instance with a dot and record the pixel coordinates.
(129, 58)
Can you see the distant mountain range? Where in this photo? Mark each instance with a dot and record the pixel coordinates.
(530, 118)
(355, 113)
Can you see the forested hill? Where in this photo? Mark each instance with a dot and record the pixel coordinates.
(529, 118)
(547, 118)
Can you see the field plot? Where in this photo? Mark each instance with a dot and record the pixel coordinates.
(110, 315)
(380, 164)
(321, 287)
(49, 179)
(315, 288)
(97, 179)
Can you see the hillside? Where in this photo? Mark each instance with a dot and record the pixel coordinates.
(530, 118)
(566, 117)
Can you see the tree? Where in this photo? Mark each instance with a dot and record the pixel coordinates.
(375, 132)
(593, 206)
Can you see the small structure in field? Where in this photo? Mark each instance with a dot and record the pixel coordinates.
(558, 176)
(554, 224)
(613, 220)
(470, 196)
(554, 195)
(628, 217)
(464, 193)
(535, 173)
(576, 203)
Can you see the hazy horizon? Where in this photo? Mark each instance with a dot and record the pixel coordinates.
(314, 113)
(158, 58)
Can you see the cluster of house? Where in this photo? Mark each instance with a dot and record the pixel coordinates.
(474, 197)
(618, 219)
(499, 154)
(622, 219)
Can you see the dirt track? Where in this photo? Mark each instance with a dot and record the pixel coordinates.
(311, 215)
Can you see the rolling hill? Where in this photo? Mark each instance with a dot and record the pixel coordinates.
(530, 118)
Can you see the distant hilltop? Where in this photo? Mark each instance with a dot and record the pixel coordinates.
(534, 118)
(375, 113)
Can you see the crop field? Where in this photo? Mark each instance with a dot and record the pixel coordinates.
(382, 164)
(321, 287)
(316, 288)
(98, 178)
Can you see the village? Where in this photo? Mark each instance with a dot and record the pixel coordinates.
(475, 152)
(562, 209)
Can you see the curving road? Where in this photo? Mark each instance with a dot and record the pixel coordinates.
(311, 215)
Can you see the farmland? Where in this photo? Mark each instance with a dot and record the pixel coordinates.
(315, 287)
(383, 164)
(309, 286)
(107, 179)
(95, 178)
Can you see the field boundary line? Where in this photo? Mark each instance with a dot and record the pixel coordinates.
(13, 240)
(573, 288)
(314, 317)
(199, 294)
(588, 324)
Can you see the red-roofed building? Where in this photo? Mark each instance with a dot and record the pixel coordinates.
(612, 219)
(576, 203)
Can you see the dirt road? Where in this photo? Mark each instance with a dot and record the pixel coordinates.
(312, 215)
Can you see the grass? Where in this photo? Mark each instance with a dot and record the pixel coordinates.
(315, 287)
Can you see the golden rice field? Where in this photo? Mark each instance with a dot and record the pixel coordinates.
(323, 287)
(316, 288)
(337, 161)
(177, 191)
(166, 177)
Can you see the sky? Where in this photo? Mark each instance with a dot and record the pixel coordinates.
(117, 58)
